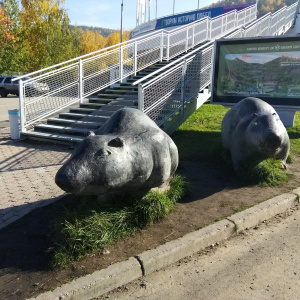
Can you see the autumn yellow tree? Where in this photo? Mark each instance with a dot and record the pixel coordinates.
(115, 38)
(5, 24)
(91, 41)
(46, 27)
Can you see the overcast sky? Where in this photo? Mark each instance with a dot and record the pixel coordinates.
(107, 13)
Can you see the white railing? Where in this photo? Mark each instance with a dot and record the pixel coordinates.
(49, 90)
(168, 93)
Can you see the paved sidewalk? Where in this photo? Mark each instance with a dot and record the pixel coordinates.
(27, 172)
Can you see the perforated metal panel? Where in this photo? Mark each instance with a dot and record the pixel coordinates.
(45, 93)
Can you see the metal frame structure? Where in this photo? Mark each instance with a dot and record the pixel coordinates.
(71, 81)
(169, 92)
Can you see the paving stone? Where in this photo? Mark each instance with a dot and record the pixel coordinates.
(27, 176)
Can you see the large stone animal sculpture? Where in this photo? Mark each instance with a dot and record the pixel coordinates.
(252, 129)
(128, 153)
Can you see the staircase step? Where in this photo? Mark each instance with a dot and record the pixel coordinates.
(100, 100)
(89, 118)
(62, 129)
(130, 87)
(82, 110)
(107, 96)
(116, 107)
(92, 105)
(65, 139)
(116, 91)
(68, 122)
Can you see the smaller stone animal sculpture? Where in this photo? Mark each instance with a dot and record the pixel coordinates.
(253, 129)
(128, 153)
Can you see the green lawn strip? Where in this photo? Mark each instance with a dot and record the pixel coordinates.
(94, 225)
(203, 128)
(294, 134)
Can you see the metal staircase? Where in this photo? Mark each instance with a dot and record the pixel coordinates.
(71, 127)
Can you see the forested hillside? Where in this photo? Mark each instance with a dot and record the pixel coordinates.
(104, 31)
(263, 6)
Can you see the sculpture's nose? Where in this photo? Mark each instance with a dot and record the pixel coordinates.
(66, 179)
(273, 141)
(64, 182)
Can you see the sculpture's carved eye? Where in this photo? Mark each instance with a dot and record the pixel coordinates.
(91, 133)
(117, 142)
(102, 153)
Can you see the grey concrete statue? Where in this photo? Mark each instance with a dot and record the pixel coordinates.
(128, 153)
(252, 128)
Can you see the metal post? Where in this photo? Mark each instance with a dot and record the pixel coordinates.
(193, 38)
(140, 97)
(182, 96)
(198, 4)
(121, 64)
(162, 46)
(168, 47)
(208, 29)
(173, 7)
(269, 25)
(135, 59)
(122, 21)
(222, 18)
(137, 13)
(22, 106)
(80, 71)
(149, 4)
(156, 10)
(187, 39)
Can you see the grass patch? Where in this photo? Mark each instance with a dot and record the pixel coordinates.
(294, 134)
(268, 172)
(94, 225)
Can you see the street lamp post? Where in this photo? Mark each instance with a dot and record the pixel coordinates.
(122, 21)
(173, 7)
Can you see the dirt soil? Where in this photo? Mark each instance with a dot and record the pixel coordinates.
(217, 193)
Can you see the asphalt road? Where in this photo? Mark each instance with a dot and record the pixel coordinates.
(262, 263)
(6, 104)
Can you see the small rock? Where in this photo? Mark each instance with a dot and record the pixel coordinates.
(105, 252)
(143, 285)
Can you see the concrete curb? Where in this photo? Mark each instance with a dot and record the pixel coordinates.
(98, 283)
(173, 251)
(263, 211)
(103, 281)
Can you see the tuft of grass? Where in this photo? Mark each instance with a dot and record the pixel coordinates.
(268, 172)
(95, 225)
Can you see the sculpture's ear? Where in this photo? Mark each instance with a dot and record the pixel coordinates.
(91, 133)
(117, 142)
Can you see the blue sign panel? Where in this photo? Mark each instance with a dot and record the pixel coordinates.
(189, 17)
